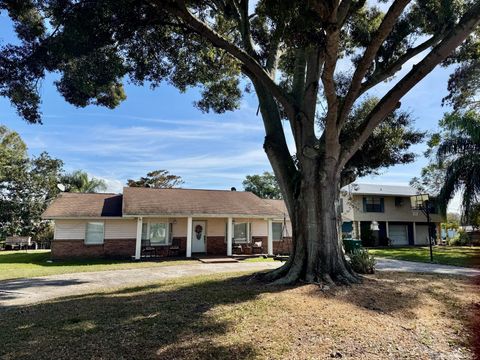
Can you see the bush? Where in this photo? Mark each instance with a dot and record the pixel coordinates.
(460, 239)
(362, 262)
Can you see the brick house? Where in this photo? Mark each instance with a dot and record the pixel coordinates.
(212, 222)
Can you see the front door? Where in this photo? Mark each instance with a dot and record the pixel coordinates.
(198, 236)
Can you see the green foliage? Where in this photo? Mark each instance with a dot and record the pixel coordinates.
(362, 262)
(388, 145)
(159, 179)
(264, 186)
(79, 181)
(460, 239)
(26, 186)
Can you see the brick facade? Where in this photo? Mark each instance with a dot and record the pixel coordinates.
(216, 245)
(280, 247)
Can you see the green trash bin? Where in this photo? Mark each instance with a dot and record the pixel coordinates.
(351, 244)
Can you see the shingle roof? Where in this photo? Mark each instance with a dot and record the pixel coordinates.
(279, 205)
(377, 189)
(84, 205)
(146, 201)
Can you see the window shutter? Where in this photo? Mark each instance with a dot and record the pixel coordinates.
(382, 204)
(364, 204)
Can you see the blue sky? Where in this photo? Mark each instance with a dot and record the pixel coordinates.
(161, 129)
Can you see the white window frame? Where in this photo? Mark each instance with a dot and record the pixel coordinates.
(86, 241)
(242, 240)
(281, 233)
(168, 235)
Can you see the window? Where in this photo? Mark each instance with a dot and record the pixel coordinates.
(94, 233)
(277, 231)
(158, 233)
(373, 204)
(145, 231)
(240, 232)
(398, 201)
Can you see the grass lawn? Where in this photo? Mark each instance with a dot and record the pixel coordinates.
(447, 255)
(389, 316)
(18, 264)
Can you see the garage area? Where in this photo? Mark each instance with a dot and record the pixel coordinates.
(421, 235)
(398, 234)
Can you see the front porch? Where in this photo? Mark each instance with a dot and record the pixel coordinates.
(159, 237)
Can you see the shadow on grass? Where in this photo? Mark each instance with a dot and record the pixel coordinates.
(180, 319)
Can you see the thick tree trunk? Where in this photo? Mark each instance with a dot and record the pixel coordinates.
(317, 255)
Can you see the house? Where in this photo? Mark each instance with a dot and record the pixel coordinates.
(217, 222)
(382, 215)
(213, 222)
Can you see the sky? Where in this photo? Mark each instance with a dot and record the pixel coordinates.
(161, 129)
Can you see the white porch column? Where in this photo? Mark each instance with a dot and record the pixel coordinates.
(138, 242)
(229, 236)
(270, 237)
(387, 229)
(414, 234)
(189, 236)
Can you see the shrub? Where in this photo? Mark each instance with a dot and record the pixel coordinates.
(460, 239)
(362, 262)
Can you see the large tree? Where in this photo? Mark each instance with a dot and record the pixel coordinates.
(159, 179)
(264, 185)
(26, 186)
(79, 181)
(289, 51)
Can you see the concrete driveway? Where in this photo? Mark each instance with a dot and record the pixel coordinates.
(33, 290)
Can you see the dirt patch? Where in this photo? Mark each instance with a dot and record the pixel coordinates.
(389, 316)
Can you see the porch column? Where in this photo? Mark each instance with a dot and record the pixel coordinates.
(387, 229)
(189, 236)
(138, 242)
(270, 237)
(229, 236)
(414, 234)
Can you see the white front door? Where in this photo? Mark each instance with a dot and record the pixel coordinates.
(198, 236)
(398, 234)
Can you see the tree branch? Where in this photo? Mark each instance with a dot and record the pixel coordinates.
(247, 60)
(383, 31)
(392, 69)
(390, 101)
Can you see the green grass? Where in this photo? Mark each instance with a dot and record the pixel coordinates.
(32, 263)
(447, 255)
(228, 316)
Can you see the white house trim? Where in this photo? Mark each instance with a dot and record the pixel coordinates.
(229, 236)
(138, 240)
(189, 236)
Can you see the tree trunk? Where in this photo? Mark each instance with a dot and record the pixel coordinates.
(317, 255)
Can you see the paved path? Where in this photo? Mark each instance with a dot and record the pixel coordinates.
(384, 264)
(33, 290)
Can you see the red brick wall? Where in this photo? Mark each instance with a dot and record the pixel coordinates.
(279, 247)
(63, 249)
(121, 248)
(216, 245)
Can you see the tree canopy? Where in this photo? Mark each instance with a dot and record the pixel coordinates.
(307, 61)
(159, 179)
(264, 185)
(79, 181)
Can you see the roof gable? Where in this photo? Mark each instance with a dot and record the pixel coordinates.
(148, 201)
(84, 205)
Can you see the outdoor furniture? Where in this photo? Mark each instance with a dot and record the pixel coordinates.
(174, 248)
(237, 248)
(257, 247)
(147, 249)
(18, 242)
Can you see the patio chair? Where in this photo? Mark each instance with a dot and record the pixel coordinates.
(174, 248)
(257, 247)
(147, 249)
(237, 248)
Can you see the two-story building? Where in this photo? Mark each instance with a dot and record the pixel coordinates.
(382, 215)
